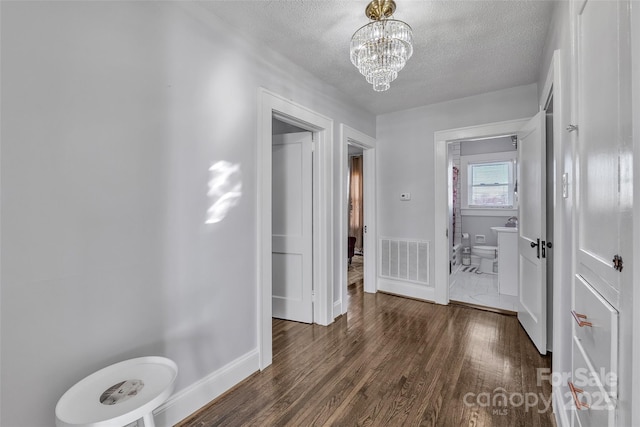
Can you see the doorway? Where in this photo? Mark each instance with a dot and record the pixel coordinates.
(441, 240)
(271, 105)
(483, 209)
(532, 287)
(530, 306)
(292, 217)
(356, 141)
(355, 200)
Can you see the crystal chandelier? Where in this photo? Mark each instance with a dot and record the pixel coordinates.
(381, 48)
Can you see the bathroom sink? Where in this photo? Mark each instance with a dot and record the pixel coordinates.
(504, 229)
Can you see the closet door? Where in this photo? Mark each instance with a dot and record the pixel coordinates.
(603, 190)
(603, 206)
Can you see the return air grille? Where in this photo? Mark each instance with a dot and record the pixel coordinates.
(403, 259)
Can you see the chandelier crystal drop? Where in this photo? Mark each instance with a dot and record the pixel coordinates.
(381, 48)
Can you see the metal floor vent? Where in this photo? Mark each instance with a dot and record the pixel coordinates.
(403, 259)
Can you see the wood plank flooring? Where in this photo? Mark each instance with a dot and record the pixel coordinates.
(393, 361)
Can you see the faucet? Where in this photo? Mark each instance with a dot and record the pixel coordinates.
(512, 221)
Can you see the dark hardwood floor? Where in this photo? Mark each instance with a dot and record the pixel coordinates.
(393, 361)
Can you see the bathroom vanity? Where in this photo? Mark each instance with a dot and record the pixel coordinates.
(507, 260)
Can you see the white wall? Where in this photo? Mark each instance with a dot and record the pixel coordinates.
(112, 115)
(405, 155)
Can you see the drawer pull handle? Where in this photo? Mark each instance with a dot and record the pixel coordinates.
(578, 317)
(574, 392)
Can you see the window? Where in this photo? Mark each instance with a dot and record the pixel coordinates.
(490, 185)
(488, 181)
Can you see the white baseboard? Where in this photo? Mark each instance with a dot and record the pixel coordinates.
(337, 309)
(562, 415)
(407, 289)
(189, 400)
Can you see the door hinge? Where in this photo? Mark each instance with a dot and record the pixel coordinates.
(619, 177)
(447, 232)
(313, 146)
(313, 296)
(365, 228)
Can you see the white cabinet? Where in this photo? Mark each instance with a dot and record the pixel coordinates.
(594, 378)
(507, 260)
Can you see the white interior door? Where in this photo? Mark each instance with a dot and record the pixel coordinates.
(532, 310)
(369, 241)
(600, 207)
(292, 282)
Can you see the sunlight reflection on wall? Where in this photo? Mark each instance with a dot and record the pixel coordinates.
(225, 189)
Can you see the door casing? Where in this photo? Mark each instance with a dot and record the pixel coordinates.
(272, 105)
(441, 241)
(348, 136)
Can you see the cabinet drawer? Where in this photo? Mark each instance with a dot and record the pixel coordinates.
(594, 405)
(598, 334)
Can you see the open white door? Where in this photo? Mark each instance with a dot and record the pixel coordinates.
(369, 243)
(532, 310)
(292, 227)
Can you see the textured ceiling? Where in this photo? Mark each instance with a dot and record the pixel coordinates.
(461, 48)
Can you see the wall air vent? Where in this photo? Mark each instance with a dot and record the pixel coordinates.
(403, 259)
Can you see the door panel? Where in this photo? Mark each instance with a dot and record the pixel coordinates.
(369, 243)
(598, 147)
(603, 190)
(532, 311)
(292, 227)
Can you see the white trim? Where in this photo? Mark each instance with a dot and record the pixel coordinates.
(352, 136)
(562, 256)
(562, 415)
(441, 241)
(407, 289)
(337, 308)
(370, 209)
(189, 400)
(488, 212)
(635, 84)
(269, 104)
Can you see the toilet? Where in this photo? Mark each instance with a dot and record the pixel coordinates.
(486, 257)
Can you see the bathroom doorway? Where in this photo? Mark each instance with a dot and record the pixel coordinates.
(483, 219)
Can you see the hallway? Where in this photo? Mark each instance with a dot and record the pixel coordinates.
(390, 362)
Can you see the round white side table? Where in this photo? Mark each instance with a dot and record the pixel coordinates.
(118, 394)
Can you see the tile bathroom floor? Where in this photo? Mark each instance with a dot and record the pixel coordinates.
(480, 289)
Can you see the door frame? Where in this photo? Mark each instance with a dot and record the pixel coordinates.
(272, 105)
(284, 305)
(441, 241)
(352, 136)
(635, 44)
(562, 245)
